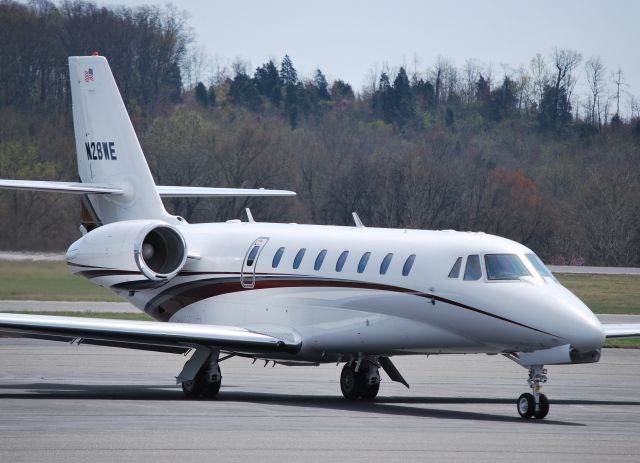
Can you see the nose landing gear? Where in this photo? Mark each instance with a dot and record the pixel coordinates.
(535, 405)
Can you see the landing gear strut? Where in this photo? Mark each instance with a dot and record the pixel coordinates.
(360, 380)
(535, 405)
(201, 376)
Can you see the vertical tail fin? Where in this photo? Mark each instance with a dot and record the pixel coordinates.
(107, 146)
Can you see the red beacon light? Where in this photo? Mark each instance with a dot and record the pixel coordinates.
(95, 53)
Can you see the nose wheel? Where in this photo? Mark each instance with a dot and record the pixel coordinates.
(536, 404)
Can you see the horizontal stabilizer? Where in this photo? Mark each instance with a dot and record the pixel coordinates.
(60, 187)
(163, 191)
(624, 330)
(160, 336)
(194, 191)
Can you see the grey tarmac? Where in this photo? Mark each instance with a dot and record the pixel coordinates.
(61, 403)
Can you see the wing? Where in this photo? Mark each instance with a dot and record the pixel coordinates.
(624, 330)
(155, 336)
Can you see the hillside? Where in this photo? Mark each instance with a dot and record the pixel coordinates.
(518, 154)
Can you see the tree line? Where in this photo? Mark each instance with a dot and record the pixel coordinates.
(521, 154)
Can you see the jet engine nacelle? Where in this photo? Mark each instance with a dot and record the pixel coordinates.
(130, 249)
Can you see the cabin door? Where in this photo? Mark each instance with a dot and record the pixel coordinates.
(248, 272)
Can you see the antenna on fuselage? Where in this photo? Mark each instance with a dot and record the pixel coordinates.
(249, 215)
(357, 220)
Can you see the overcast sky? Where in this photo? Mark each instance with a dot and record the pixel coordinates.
(349, 38)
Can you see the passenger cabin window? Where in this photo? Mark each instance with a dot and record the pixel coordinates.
(251, 258)
(408, 264)
(384, 266)
(505, 267)
(319, 260)
(298, 259)
(363, 262)
(472, 271)
(277, 257)
(341, 260)
(455, 270)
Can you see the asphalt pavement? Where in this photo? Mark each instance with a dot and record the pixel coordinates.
(61, 403)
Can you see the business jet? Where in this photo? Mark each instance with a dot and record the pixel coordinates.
(294, 294)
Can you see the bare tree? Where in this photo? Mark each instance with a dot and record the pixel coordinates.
(565, 61)
(618, 81)
(539, 76)
(595, 70)
(470, 75)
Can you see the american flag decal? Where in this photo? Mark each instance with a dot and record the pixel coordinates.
(88, 75)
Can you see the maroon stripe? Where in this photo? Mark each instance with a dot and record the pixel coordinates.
(170, 301)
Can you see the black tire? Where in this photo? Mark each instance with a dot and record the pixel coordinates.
(371, 392)
(526, 405)
(194, 389)
(544, 408)
(351, 383)
(211, 390)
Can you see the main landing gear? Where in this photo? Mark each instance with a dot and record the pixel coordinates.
(360, 380)
(535, 405)
(201, 375)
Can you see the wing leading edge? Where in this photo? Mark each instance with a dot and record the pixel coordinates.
(624, 330)
(157, 336)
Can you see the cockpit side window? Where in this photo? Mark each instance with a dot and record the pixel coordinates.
(455, 270)
(539, 265)
(505, 267)
(472, 270)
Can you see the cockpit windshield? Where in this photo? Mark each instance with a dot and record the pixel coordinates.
(504, 267)
(539, 266)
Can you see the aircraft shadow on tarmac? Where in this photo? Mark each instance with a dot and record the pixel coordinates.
(382, 405)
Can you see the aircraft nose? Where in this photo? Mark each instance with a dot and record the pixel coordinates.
(586, 334)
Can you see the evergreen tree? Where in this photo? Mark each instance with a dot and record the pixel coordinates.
(503, 100)
(404, 106)
(555, 109)
(483, 91)
(289, 78)
(288, 74)
(449, 118)
(267, 80)
(212, 96)
(201, 95)
(322, 86)
(425, 94)
(383, 104)
(243, 92)
(340, 90)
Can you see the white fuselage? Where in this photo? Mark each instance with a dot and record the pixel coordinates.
(346, 312)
